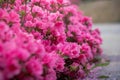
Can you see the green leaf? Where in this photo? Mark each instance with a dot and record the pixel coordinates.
(103, 77)
(101, 65)
(22, 13)
(0, 0)
(74, 68)
(12, 1)
(65, 57)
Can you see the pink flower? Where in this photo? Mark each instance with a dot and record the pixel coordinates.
(51, 75)
(34, 1)
(85, 49)
(50, 59)
(28, 17)
(60, 64)
(1, 47)
(83, 59)
(87, 22)
(1, 13)
(29, 24)
(1, 76)
(13, 17)
(9, 47)
(3, 27)
(70, 49)
(46, 40)
(12, 68)
(34, 67)
(60, 1)
(36, 9)
(21, 54)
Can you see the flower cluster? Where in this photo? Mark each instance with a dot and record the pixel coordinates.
(46, 40)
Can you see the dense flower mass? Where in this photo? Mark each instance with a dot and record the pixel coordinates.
(46, 40)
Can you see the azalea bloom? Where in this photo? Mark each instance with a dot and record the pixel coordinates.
(46, 40)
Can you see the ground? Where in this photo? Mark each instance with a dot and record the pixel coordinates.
(111, 49)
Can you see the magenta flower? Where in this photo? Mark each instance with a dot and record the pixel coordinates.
(46, 40)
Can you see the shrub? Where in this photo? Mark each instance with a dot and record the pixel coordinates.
(46, 40)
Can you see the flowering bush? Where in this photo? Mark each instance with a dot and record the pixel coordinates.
(46, 40)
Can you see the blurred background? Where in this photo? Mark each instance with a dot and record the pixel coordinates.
(106, 17)
(101, 10)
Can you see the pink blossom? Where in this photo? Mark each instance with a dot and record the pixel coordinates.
(70, 49)
(12, 68)
(60, 64)
(34, 67)
(21, 54)
(60, 1)
(87, 22)
(14, 17)
(34, 1)
(3, 27)
(29, 24)
(85, 49)
(46, 40)
(83, 59)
